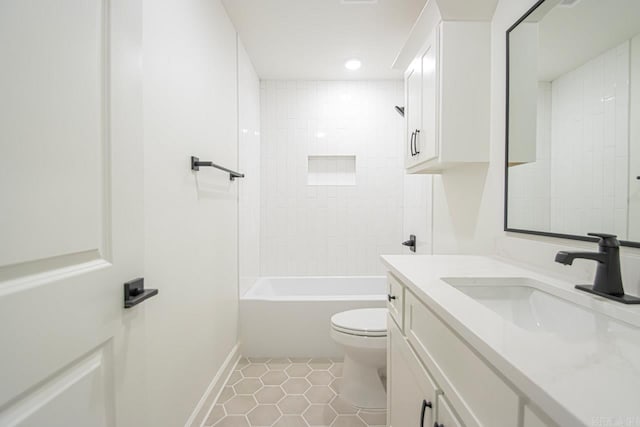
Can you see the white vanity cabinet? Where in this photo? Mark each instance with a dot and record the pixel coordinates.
(446, 417)
(421, 102)
(429, 363)
(447, 97)
(411, 394)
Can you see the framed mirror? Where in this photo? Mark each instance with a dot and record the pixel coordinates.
(573, 120)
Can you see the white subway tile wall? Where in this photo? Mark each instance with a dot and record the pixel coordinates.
(249, 164)
(579, 182)
(330, 229)
(590, 145)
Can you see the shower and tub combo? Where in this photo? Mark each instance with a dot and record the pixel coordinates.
(334, 317)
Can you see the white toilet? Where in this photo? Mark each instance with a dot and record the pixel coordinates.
(363, 333)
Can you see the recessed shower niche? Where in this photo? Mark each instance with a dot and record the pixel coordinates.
(331, 170)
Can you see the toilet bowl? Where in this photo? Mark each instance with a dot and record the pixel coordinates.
(363, 333)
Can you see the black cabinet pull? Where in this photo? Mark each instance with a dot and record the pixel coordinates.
(415, 143)
(413, 134)
(390, 297)
(425, 405)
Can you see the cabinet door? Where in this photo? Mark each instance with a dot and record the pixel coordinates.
(446, 417)
(427, 140)
(396, 298)
(411, 393)
(413, 111)
(533, 419)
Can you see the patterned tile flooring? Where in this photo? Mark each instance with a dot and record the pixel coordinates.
(287, 393)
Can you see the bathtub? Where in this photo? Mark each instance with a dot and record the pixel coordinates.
(290, 316)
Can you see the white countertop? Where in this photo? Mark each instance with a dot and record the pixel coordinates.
(593, 380)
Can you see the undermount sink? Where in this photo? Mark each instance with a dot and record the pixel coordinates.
(523, 303)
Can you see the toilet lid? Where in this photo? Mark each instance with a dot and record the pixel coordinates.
(365, 322)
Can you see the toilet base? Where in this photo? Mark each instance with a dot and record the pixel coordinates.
(362, 386)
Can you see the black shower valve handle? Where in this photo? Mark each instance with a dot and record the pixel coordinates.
(411, 243)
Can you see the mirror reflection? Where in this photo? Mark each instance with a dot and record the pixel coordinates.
(574, 119)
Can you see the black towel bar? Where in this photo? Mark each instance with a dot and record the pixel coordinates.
(196, 163)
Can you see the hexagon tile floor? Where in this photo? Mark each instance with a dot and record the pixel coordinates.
(287, 393)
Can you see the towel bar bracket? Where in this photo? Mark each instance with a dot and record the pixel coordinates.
(196, 163)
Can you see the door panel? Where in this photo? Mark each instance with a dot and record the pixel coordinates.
(71, 218)
(53, 121)
(413, 110)
(446, 417)
(85, 387)
(408, 388)
(428, 136)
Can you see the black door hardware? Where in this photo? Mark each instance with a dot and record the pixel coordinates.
(196, 163)
(135, 293)
(415, 142)
(390, 297)
(425, 405)
(411, 243)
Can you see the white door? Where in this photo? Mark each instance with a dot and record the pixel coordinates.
(70, 213)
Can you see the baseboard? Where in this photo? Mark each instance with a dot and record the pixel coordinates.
(210, 396)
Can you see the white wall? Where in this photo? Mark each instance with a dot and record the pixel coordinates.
(191, 236)
(335, 229)
(417, 214)
(465, 218)
(249, 164)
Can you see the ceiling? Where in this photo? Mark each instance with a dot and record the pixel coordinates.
(571, 36)
(312, 39)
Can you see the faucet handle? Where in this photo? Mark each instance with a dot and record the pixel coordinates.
(606, 240)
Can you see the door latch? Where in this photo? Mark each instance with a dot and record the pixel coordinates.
(135, 293)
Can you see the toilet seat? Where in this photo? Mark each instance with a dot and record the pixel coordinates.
(366, 322)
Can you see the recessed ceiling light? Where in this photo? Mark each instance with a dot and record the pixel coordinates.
(568, 3)
(352, 64)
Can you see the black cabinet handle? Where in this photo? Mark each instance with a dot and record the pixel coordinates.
(415, 143)
(413, 135)
(425, 405)
(390, 297)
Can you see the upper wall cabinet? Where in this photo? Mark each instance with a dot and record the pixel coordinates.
(447, 98)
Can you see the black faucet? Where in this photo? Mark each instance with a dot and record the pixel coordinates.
(608, 280)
